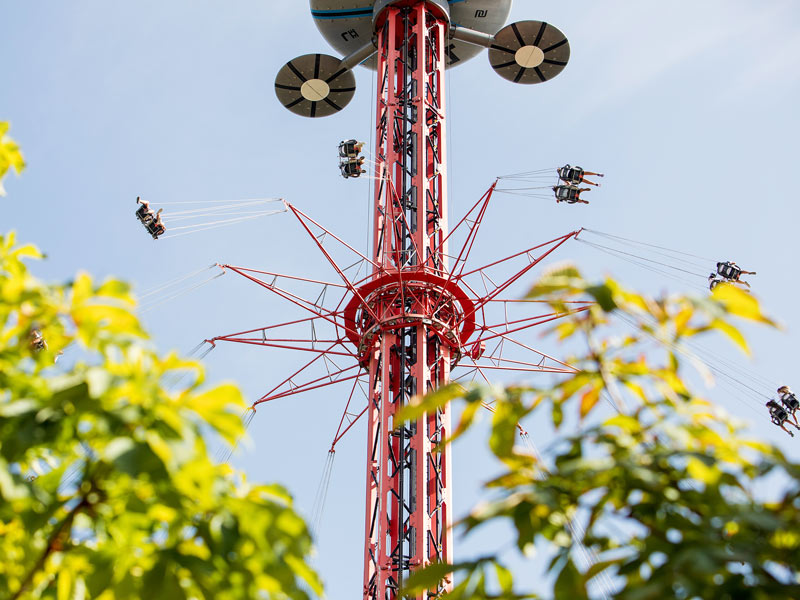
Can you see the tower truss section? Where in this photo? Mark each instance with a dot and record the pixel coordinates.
(415, 315)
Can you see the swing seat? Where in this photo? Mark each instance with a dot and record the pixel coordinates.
(349, 149)
(350, 168)
(148, 219)
(156, 229)
(728, 271)
(144, 214)
(566, 193)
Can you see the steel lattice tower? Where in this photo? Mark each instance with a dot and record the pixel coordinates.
(411, 317)
(412, 292)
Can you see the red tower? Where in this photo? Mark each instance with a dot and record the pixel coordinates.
(411, 317)
(413, 328)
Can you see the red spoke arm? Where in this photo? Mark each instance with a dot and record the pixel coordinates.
(320, 382)
(285, 276)
(531, 301)
(525, 320)
(346, 429)
(483, 199)
(286, 346)
(485, 405)
(498, 361)
(480, 371)
(300, 370)
(466, 249)
(336, 267)
(508, 338)
(293, 298)
(503, 286)
(339, 432)
(302, 217)
(529, 323)
(558, 241)
(523, 369)
(266, 328)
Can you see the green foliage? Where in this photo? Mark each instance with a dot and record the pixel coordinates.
(667, 495)
(10, 156)
(106, 487)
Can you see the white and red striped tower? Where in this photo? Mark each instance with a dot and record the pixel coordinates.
(412, 317)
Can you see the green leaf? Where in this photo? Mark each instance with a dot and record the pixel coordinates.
(558, 415)
(420, 405)
(65, 585)
(10, 155)
(10, 488)
(589, 400)
(430, 576)
(103, 437)
(604, 297)
(569, 583)
(222, 408)
(504, 578)
(733, 333)
(740, 303)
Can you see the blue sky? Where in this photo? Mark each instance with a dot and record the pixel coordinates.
(688, 107)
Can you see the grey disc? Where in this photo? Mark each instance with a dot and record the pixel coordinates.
(529, 52)
(314, 85)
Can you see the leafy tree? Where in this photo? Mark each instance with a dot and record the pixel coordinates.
(106, 486)
(666, 496)
(10, 156)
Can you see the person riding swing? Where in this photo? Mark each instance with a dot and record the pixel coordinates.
(731, 271)
(571, 194)
(352, 167)
(576, 175)
(789, 401)
(713, 281)
(144, 213)
(350, 148)
(151, 221)
(158, 229)
(779, 416)
(38, 342)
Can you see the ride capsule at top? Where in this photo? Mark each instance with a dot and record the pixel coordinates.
(347, 25)
(318, 85)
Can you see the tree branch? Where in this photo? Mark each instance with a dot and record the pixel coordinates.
(51, 544)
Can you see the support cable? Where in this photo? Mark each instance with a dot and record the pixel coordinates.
(526, 174)
(609, 235)
(672, 255)
(675, 277)
(225, 454)
(240, 201)
(576, 529)
(712, 356)
(212, 224)
(693, 356)
(170, 383)
(148, 307)
(663, 264)
(173, 282)
(222, 206)
(321, 496)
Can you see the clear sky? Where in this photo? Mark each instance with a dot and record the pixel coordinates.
(689, 107)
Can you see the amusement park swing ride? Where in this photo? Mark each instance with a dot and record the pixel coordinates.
(409, 310)
(397, 320)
